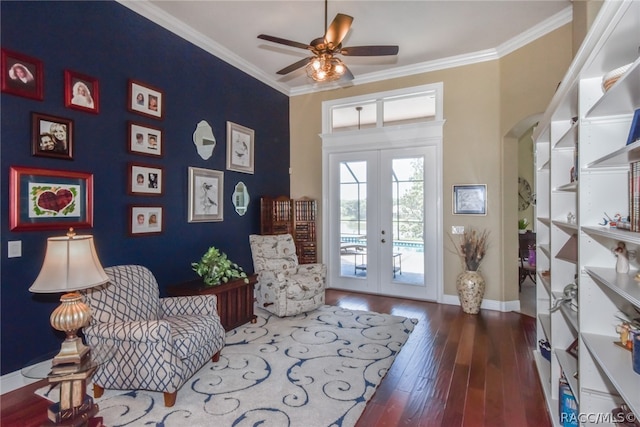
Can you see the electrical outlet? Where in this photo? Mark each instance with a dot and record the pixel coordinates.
(457, 229)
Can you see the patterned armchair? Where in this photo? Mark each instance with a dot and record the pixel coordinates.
(158, 343)
(284, 287)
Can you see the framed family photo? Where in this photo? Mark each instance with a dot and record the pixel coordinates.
(146, 100)
(51, 136)
(145, 180)
(470, 199)
(145, 140)
(145, 220)
(21, 75)
(81, 92)
(240, 154)
(47, 199)
(206, 188)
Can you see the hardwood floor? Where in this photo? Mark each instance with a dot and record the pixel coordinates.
(456, 369)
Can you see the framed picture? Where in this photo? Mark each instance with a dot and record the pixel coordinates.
(46, 199)
(145, 220)
(51, 136)
(81, 92)
(240, 155)
(634, 131)
(206, 188)
(145, 100)
(145, 140)
(470, 199)
(21, 75)
(145, 180)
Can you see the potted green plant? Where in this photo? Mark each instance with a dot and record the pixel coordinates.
(522, 225)
(215, 268)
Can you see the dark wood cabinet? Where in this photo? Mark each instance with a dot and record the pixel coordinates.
(282, 215)
(235, 299)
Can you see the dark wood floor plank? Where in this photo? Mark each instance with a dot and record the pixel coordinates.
(455, 369)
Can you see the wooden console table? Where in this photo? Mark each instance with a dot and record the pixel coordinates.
(235, 299)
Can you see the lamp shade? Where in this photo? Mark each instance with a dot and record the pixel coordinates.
(70, 264)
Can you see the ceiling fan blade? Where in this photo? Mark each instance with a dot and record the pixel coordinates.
(369, 50)
(284, 41)
(338, 29)
(295, 66)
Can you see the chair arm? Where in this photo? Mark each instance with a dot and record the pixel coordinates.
(205, 305)
(139, 331)
(313, 269)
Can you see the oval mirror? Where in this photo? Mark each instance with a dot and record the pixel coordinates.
(204, 140)
(241, 198)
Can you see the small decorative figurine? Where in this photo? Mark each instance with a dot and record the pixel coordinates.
(622, 264)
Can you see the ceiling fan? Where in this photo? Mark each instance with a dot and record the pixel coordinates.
(324, 66)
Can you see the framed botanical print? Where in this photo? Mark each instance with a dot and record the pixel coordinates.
(51, 136)
(470, 199)
(146, 100)
(21, 75)
(206, 188)
(240, 154)
(47, 199)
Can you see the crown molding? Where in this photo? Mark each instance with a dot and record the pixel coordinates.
(158, 16)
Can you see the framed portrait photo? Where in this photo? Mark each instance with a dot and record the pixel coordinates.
(47, 199)
(21, 75)
(145, 220)
(145, 180)
(51, 136)
(145, 140)
(470, 199)
(146, 100)
(81, 92)
(240, 154)
(206, 188)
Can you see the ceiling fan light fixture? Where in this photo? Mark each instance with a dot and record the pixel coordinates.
(325, 68)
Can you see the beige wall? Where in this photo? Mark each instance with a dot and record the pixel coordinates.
(480, 102)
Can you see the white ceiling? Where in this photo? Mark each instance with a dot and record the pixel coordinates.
(432, 34)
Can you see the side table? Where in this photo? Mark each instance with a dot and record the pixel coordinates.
(235, 299)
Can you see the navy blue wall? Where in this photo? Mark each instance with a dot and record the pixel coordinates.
(107, 41)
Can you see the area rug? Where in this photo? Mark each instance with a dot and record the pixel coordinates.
(314, 369)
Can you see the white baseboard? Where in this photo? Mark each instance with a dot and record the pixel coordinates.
(486, 303)
(15, 380)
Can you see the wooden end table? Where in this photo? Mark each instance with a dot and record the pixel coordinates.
(235, 299)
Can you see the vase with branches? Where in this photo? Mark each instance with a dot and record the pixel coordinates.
(471, 248)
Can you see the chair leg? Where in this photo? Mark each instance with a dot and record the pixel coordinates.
(215, 357)
(98, 391)
(170, 398)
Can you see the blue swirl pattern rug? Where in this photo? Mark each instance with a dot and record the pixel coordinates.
(314, 369)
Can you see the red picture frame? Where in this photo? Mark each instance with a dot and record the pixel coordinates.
(49, 199)
(51, 136)
(145, 100)
(81, 92)
(21, 75)
(145, 220)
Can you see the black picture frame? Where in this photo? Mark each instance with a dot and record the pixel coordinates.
(51, 136)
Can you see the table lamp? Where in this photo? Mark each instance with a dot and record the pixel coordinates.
(70, 264)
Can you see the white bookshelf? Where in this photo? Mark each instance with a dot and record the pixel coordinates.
(587, 129)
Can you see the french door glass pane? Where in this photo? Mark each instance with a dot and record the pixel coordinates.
(353, 219)
(408, 220)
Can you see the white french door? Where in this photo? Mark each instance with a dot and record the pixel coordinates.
(383, 221)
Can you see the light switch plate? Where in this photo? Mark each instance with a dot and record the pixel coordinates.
(14, 249)
(457, 229)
